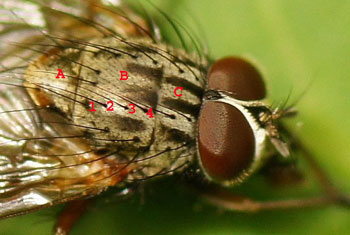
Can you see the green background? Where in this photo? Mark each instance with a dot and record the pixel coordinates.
(294, 43)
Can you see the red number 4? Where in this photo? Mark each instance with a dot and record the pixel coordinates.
(150, 113)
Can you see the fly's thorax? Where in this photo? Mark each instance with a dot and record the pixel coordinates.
(154, 71)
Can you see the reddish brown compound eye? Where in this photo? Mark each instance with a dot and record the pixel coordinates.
(237, 76)
(226, 141)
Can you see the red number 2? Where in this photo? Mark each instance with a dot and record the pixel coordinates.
(132, 108)
(110, 108)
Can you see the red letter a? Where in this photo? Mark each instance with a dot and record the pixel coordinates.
(60, 74)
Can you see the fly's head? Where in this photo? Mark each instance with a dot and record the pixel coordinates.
(236, 129)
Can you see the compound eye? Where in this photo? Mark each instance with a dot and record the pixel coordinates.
(237, 76)
(225, 140)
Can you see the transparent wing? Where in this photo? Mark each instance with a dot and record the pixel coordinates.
(44, 160)
(31, 22)
(45, 157)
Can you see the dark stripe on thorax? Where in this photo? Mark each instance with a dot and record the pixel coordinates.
(142, 96)
(177, 136)
(182, 106)
(153, 74)
(187, 86)
(129, 124)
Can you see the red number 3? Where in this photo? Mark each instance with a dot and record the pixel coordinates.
(132, 106)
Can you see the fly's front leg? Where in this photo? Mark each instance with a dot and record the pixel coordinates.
(70, 215)
(328, 187)
(231, 201)
(282, 172)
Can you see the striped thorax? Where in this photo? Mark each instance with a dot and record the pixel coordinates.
(163, 143)
(230, 142)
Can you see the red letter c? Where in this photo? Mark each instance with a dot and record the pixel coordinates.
(181, 88)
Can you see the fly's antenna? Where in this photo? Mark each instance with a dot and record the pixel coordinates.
(300, 96)
(288, 110)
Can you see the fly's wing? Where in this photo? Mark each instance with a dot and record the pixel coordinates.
(44, 160)
(27, 23)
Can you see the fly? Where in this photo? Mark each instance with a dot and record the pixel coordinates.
(94, 98)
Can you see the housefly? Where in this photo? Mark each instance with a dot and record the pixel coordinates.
(92, 97)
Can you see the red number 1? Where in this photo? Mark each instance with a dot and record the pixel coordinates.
(92, 106)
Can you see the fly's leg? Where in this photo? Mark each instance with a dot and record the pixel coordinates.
(231, 201)
(328, 187)
(70, 215)
(282, 173)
